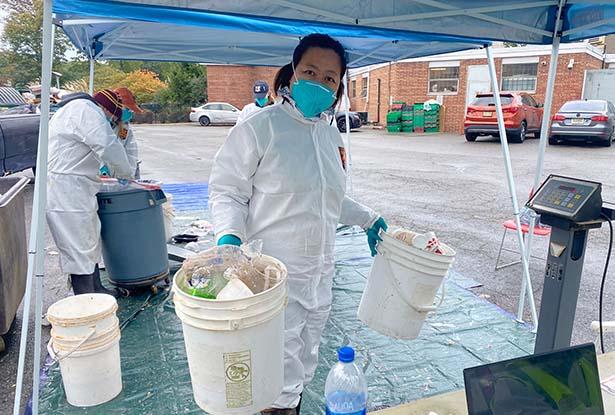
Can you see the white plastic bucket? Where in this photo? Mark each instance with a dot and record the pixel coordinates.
(401, 288)
(235, 348)
(85, 339)
(91, 375)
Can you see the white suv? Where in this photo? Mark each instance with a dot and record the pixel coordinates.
(214, 113)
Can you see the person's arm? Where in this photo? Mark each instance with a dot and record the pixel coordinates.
(354, 213)
(95, 131)
(132, 152)
(230, 182)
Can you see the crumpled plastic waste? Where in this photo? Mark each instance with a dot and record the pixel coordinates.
(203, 226)
(209, 273)
(427, 241)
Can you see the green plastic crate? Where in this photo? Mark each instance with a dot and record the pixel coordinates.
(419, 115)
(432, 129)
(395, 128)
(407, 129)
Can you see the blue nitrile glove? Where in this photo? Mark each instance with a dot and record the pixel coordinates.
(229, 240)
(104, 171)
(372, 234)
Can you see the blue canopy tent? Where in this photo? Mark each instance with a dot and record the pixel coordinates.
(265, 32)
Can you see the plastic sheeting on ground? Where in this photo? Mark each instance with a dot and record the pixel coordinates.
(466, 331)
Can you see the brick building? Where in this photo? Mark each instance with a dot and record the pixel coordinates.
(233, 84)
(452, 79)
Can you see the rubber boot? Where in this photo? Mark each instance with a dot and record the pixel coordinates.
(99, 288)
(275, 411)
(90, 283)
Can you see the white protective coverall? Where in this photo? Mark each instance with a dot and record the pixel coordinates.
(279, 178)
(80, 141)
(247, 111)
(130, 145)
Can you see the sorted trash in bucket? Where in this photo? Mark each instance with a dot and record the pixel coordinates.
(210, 272)
(427, 241)
(204, 226)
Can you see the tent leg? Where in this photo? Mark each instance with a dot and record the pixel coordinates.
(544, 129)
(91, 79)
(509, 177)
(36, 251)
(347, 133)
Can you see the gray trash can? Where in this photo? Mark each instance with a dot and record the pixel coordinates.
(133, 237)
(13, 250)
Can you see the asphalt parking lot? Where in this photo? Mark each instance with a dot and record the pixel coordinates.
(436, 182)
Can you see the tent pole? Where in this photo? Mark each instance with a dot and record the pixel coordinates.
(544, 130)
(91, 79)
(509, 174)
(36, 252)
(41, 189)
(347, 132)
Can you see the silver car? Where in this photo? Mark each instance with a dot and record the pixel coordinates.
(584, 121)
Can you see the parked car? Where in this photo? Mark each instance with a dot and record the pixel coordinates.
(353, 118)
(10, 97)
(18, 142)
(522, 116)
(214, 113)
(585, 121)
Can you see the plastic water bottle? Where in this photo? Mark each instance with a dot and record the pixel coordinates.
(346, 389)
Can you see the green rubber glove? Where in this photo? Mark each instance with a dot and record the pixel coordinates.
(229, 240)
(372, 234)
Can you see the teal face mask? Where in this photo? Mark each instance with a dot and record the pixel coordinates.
(126, 115)
(261, 102)
(311, 97)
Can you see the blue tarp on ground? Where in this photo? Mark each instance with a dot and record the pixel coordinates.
(466, 331)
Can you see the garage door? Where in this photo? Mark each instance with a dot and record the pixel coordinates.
(599, 84)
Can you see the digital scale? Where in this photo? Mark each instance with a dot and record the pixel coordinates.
(571, 207)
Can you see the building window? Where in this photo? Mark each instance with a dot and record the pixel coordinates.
(364, 87)
(353, 87)
(444, 80)
(519, 77)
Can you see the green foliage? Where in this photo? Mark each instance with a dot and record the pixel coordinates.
(187, 83)
(22, 42)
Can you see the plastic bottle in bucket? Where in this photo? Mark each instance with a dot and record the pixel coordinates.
(346, 388)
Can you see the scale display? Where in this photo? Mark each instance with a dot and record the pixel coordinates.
(567, 198)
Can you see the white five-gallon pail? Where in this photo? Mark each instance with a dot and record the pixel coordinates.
(401, 287)
(235, 348)
(85, 339)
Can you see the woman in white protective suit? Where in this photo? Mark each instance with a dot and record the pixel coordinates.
(81, 139)
(280, 177)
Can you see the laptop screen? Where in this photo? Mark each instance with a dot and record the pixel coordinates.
(564, 382)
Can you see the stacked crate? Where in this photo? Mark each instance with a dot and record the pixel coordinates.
(394, 117)
(432, 119)
(407, 119)
(419, 118)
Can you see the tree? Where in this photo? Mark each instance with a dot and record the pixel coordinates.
(23, 42)
(187, 83)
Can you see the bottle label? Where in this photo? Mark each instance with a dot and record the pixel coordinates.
(361, 412)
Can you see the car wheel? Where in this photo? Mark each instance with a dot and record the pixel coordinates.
(204, 121)
(553, 141)
(608, 142)
(470, 137)
(520, 136)
(341, 125)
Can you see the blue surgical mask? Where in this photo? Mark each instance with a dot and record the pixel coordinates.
(312, 98)
(261, 102)
(126, 115)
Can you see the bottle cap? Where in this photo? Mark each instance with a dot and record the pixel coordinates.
(346, 354)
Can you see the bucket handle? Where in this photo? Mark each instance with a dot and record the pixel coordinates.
(57, 357)
(422, 308)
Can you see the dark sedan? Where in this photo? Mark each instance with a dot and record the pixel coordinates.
(353, 117)
(584, 121)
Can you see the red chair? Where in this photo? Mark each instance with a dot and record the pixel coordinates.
(511, 225)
